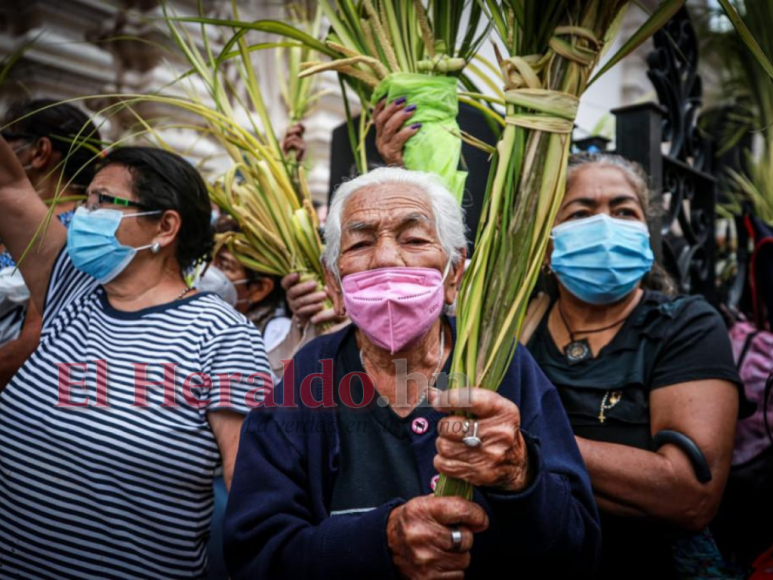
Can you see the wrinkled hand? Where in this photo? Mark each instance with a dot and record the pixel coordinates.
(419, 536)
(391, 134)
(501, 461)
(294, 141)
(11, 172)
(306, 301)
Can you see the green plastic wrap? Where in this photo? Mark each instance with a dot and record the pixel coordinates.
(436, 148)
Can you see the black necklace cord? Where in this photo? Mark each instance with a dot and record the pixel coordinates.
(593, 331)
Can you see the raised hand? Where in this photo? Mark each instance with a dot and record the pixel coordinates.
(391, 130)
(294, 141)
(501, 461)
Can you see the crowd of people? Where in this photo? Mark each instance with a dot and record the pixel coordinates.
(170, 413)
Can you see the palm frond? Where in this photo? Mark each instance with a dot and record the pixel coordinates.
(551, 48)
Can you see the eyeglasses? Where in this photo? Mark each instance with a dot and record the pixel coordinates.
(95, 200)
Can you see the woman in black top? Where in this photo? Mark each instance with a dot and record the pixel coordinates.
(629, 363)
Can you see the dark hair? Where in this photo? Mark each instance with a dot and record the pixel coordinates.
(71, 132)
(164, 180)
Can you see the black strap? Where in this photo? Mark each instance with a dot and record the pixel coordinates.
(766, 399)
(693, 452)
(746, 345)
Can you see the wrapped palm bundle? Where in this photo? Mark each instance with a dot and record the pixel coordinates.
(414, 50)
(551, 49)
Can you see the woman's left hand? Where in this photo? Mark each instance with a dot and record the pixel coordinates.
(501, 461)
(392, 131)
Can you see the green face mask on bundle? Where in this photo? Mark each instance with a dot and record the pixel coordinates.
(436, 148)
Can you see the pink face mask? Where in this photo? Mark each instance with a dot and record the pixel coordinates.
(394, 307)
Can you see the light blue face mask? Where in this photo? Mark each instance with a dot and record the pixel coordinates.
(93, 247)
(601, 259)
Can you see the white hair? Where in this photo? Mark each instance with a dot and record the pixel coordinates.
(449, 218)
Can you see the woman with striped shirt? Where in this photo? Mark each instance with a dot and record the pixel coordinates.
(111, 432)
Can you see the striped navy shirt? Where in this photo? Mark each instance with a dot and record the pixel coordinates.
(116, 490)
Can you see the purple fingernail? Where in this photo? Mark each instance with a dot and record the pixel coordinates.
(416, 126)
(401, 100)
(410, 108)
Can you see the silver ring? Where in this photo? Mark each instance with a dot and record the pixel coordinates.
(473, 440)
(456, 540)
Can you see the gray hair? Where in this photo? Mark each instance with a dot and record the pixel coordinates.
(634, 174)
(449, 219)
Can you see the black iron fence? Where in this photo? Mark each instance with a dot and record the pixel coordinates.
(665, 140)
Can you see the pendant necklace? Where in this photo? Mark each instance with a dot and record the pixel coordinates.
(578, 351)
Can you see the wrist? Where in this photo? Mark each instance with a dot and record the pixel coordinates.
(391, 528)
(522, 473)
(395, 160)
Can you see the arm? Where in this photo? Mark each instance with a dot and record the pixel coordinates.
(22, 214)
(662, 485)
(294, 142)
(235, 359)
(226, 426)
(559, 492)
(14, 353)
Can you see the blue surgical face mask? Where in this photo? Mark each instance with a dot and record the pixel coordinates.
(601, 259)
(93, 247)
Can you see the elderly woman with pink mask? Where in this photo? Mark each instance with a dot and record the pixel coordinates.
(334, 475)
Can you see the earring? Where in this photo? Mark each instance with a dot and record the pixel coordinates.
(155, 248)
(546, 269)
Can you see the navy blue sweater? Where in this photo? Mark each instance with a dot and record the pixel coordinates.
(278, 523)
